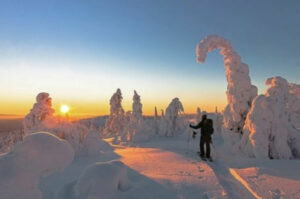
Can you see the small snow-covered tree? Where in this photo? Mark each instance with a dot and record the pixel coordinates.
(240, 92)
(115, 124)
(162, 114)
(198, 115)
(172, 113)
(137, 112)
(156, 121)
(268, 131)
(41, 111)
(155, 113)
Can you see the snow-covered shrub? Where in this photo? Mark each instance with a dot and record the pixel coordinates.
(7, 140)
(39, 154)
(102, 180)
(240, 92)
(268, 133)
(171, 120)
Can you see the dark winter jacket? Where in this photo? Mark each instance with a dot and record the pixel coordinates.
(206, 128)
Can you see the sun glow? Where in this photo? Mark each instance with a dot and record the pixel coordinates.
(64, 109)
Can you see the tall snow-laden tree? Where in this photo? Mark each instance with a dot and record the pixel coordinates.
(240, 92)
(172, 113)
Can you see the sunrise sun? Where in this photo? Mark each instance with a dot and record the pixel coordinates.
(64, 109)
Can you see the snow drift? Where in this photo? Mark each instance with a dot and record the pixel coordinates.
(102, 180)
(39, 154)
(240, 92)
(269, 131)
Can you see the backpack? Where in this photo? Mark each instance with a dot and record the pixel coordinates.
(211, 127)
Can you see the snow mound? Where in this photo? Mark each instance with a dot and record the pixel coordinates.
(240, 92)
(93, 145)
(39, 154)
(102, 180)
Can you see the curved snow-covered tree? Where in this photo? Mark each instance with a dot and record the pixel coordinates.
(268, 132)
(41, 111)
(115, 122)
(137, 113)
(172, 113)
(240, 92)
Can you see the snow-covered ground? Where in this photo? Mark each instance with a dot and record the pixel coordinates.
(163, 167)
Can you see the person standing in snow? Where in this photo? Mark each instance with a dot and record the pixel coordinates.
(207, 130)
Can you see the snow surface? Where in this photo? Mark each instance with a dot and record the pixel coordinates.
(162, 167)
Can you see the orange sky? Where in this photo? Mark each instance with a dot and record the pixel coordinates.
(88, 108)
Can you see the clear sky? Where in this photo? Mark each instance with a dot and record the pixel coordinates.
(81, 51)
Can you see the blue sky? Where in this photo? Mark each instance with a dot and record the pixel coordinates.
(98, 46)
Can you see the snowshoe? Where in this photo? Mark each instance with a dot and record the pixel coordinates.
(202, 158)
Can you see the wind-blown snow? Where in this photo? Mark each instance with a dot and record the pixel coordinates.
(39, 154)
(240, 92)
(268, 131)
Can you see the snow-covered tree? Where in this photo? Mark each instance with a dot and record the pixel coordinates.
(41, 111)
(156, 121)
(198, 115)
(293, 105)
(240, 92)
(162, 113)
(115, 124)
(217, 121)
(41, 118)
(268, 131)
(155, 113)
(137, 112)
(172, 113)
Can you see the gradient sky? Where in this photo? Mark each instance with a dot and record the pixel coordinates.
(81, 51)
